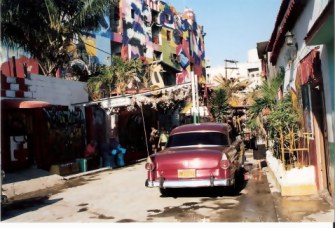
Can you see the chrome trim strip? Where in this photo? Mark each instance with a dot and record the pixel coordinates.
(189, 183)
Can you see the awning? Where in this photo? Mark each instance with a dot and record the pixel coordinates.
(148, 93)
(310, 68)
(21, 103)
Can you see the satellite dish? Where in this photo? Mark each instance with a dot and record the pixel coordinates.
(79, 67)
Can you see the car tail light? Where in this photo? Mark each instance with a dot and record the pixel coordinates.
(149, 165)
(224, 163)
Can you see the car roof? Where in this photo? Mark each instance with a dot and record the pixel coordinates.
(221, 127)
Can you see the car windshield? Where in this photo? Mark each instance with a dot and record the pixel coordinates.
(197, 138)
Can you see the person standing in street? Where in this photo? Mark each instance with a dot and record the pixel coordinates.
(154, 139)
(106, 156)
(90, 149)
(163, 139)
(91, 155)
(117, 152)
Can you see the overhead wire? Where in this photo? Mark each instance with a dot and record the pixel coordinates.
(92, 46)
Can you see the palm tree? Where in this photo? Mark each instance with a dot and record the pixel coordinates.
(266, 101)
(100, 86)
(231, 85)
(219, 105)
(126, 72)
(117, 76)
(46, 28)
(233, 88)
(267, 96)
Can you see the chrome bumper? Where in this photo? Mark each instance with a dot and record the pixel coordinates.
(189, 183)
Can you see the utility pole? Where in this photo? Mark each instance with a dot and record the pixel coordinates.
(196, 97)
(194, 104)
(231, 68)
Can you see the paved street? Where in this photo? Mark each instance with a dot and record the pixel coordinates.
(120, 196)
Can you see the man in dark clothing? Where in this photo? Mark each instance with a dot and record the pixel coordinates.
(117, 151)
(106, 155)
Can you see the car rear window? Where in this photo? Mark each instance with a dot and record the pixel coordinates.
(198, 138)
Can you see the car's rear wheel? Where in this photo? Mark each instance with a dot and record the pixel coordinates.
(238, 185)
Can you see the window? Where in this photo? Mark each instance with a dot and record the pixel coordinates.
(307, 109)
(157, 55)
(251, 70)
(198, 138)
(132, 13)
(168, 35)
(167, 17)
(116, 13)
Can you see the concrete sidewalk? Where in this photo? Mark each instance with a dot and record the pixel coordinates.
(308, 208)
(26, 183)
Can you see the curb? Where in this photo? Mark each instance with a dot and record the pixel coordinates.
(86, 173)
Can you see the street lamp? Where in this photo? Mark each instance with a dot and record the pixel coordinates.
(291, 44)
(289, 38)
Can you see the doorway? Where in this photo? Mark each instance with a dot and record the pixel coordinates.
(318, 109)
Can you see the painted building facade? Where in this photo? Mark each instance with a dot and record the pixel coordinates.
(308, 63)
(154, 32)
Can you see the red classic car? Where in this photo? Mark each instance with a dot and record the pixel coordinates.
(196, 155)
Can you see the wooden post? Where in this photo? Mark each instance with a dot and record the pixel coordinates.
(282, 148)
(14, 66)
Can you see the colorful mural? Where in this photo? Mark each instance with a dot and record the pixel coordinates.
(152, 31)
(182, 37)
(65, 133)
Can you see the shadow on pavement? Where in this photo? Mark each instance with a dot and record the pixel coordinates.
(19, 207)
(213, 192)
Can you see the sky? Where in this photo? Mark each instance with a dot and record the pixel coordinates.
(233, 27)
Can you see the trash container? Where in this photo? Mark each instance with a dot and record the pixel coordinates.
(82, 164)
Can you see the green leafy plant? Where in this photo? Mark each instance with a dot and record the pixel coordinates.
(115, 77)
(219, 105)
(283, 118)
(125, 72)
(265, 99)
(231, 85)
(101, 85)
